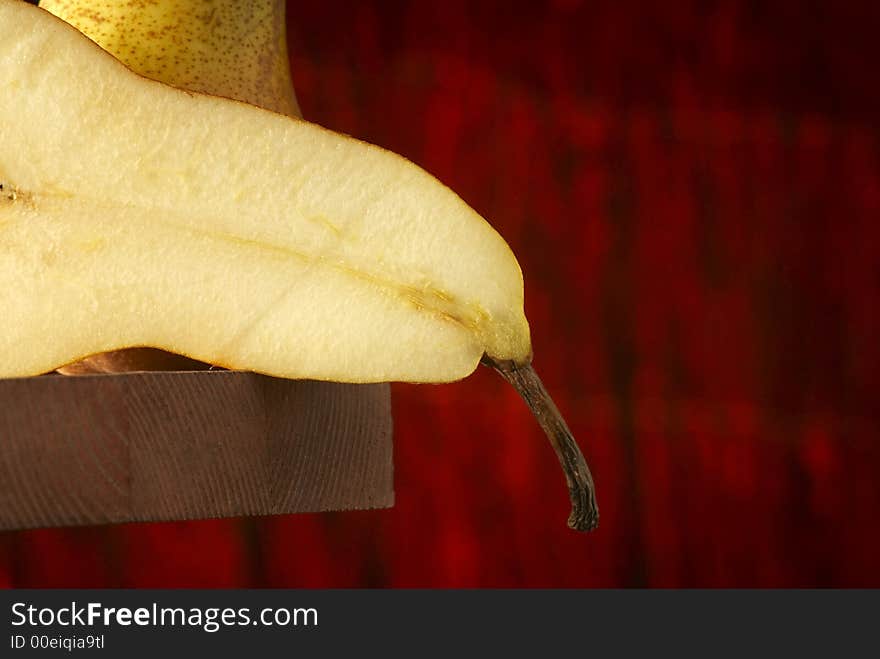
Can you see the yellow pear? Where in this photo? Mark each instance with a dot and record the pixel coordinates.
(226, 47)
(137, 214)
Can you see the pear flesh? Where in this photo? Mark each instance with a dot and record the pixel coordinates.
(136, 214)
(225, 48)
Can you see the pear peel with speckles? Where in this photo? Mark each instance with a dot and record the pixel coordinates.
(224, 47)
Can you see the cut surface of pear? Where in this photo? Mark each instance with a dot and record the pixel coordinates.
(225, 48)
(135, 214)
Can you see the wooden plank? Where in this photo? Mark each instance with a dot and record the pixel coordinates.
(97, 449)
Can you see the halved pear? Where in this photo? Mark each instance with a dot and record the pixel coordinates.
(136, 214)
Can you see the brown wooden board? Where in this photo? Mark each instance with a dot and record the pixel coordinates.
(97, 449)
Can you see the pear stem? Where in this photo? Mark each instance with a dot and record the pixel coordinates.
(584, 509)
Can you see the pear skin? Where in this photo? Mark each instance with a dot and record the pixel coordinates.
(225, 47)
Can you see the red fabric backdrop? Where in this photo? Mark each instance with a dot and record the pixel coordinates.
(693, 191)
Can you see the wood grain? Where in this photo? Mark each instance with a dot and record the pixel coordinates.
(97, 449)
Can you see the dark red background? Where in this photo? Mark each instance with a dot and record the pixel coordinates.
(693, 191)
